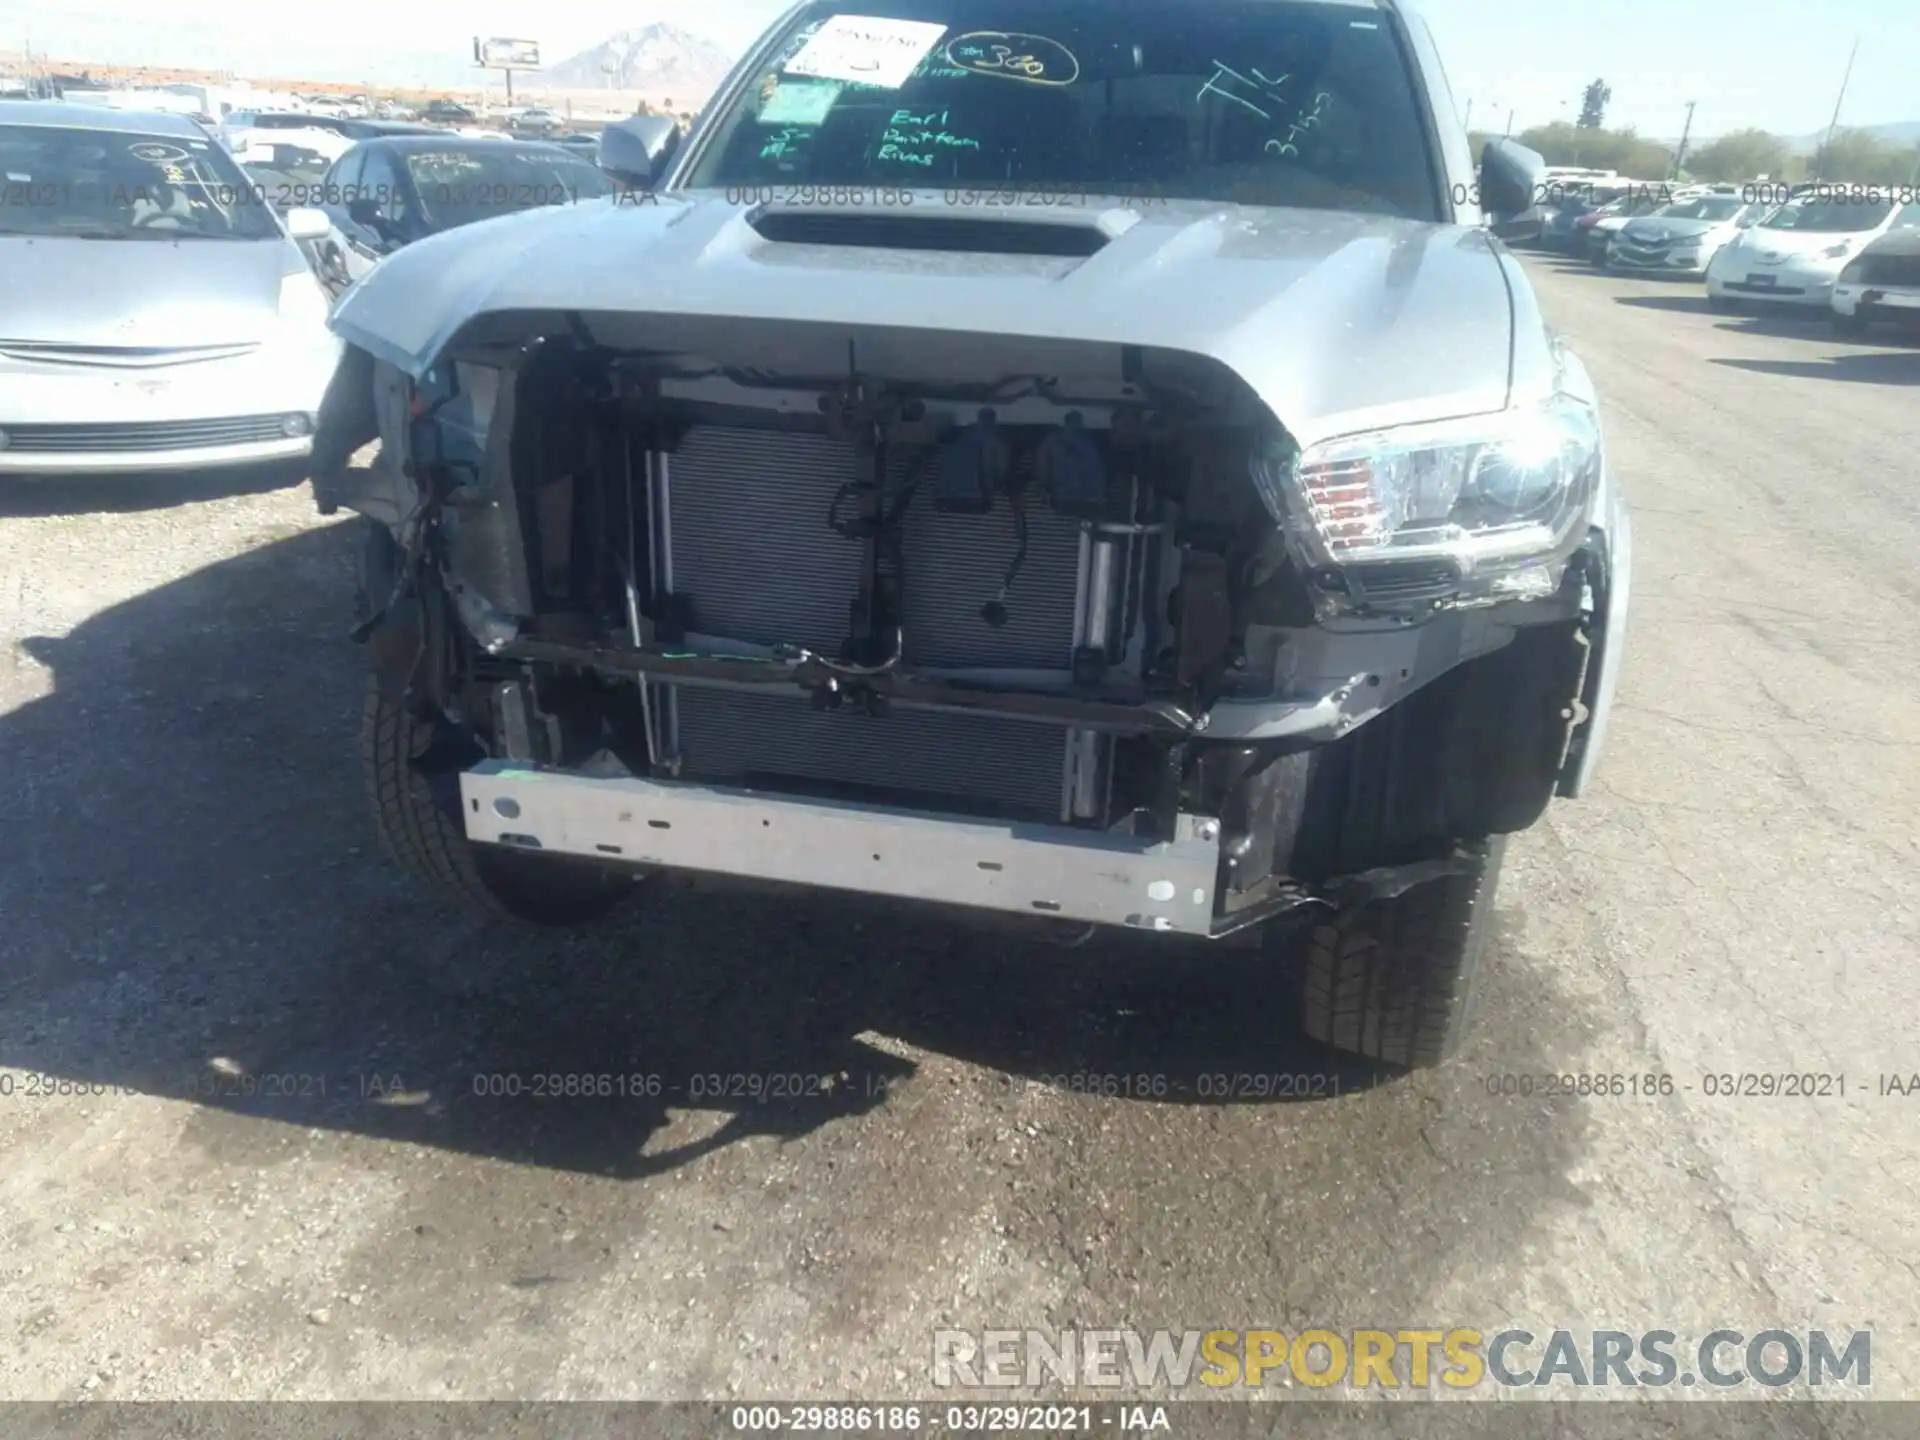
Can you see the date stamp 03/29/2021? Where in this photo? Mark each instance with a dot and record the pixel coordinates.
(230, 1082)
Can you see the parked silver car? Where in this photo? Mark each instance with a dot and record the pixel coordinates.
(1124, 485)
(155, 313)
(1681, 239)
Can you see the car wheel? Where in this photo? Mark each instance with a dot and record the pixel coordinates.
(1393, 980)
(418, 819)
(1850, 327)
(1722, 305)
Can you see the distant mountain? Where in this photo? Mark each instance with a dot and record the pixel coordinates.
(1899, 134)
(659, 58)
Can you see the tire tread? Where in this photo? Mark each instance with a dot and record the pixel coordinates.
(1393, 980)
(428, 843)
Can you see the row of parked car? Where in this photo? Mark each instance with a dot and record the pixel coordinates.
(384, 183)
(154, 273)
(1850, 252)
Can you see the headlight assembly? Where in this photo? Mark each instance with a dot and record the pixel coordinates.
(1487, 504)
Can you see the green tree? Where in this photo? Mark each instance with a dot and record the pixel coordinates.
(1621, 150)
(1593, 105)
(1856, 157)
(1739, 155)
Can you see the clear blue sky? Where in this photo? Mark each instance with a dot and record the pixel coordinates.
(1772, 63)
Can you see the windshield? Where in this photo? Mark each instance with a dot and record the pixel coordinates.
(1837, 215)
(1711, 207)
(458, 187)
(1263, 102)
(117, 184)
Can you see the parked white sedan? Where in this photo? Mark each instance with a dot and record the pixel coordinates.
(1795, 254)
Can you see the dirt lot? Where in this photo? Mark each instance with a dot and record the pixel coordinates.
(193, 906)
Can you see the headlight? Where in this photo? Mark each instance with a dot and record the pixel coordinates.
(1493, 499)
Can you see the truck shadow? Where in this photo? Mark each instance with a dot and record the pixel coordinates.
(196, 908)
(88, 493)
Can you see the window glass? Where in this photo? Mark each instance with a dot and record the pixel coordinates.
(1259, 101)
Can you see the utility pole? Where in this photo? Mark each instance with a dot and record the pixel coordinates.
(1509, 129)
(1466, 121)
(1680, 155)
(1834, 123)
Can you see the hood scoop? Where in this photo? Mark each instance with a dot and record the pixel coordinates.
(954, 234)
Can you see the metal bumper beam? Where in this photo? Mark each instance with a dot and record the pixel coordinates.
(1034, 870)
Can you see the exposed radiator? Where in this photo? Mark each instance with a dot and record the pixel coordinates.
(753, 558)
(935, 758)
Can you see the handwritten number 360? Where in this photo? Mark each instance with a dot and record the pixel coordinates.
(1003, 58)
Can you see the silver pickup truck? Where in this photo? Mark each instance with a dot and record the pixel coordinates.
(1088, 460)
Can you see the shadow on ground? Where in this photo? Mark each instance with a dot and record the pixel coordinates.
(1685, 303)
(1886, 367)
(85, 493)
(195, 908)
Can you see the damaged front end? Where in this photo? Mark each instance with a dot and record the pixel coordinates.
(1064, 629)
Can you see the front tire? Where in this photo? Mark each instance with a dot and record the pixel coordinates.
(1393, 980)
(424, 835)
(1721, 305)
(1849, 327)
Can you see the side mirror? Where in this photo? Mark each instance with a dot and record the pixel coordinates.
(306, 223)
(364, 211)
(1510, 176)
(635, 152)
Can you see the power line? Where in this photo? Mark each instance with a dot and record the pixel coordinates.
(1834, 123)
(1680, 155)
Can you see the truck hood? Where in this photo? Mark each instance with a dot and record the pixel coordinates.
(1337, 321)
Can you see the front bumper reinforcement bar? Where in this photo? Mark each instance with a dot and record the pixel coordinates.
(1033, 870)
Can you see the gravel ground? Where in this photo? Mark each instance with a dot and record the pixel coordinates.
(192, 894)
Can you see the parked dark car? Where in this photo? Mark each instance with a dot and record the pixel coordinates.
(1595, 230)
(1881, 283)
(1560, 218)
(449, 112)
(384, 194)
